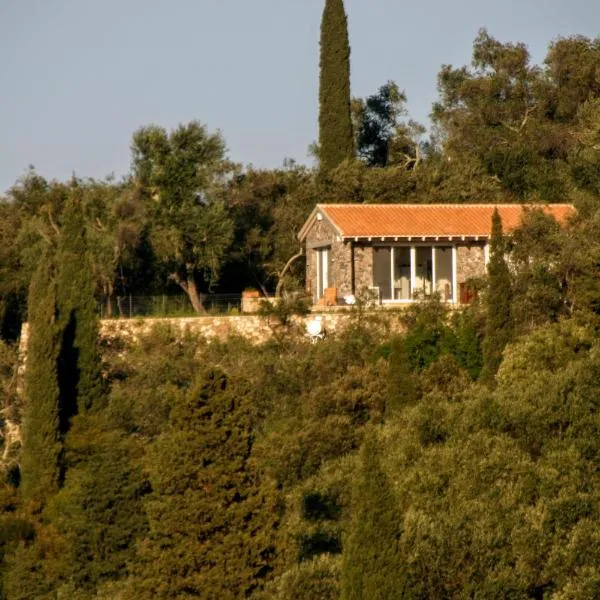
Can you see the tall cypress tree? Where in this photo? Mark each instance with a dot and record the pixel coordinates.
(336, 140)
(42, 446)
(63, 374)
(211, 523)
(370, 567)
(79, 371)
(498, 329)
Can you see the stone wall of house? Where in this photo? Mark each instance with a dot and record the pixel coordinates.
(341, 268)
(470, 262)
(363, 267)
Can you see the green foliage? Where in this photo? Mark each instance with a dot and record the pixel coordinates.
(336, 140)
(251, 485)
(40, 461)
(381, 138)
(403, 384)
(428, 334)
(210, 522)
(99, 510)
(370, 566)
(268, 208)
(190, 228)
(316, 579)
(498, 326)
(468, 326)
(79, 376)
(283, 309)
(539, 284)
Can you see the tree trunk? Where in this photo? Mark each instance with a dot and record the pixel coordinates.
(108, 307)
(284, 271)
(194, 296)
(190, 288)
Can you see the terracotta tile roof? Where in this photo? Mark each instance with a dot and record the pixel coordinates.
(430, 220)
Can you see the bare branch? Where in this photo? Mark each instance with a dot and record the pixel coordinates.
(288, 264)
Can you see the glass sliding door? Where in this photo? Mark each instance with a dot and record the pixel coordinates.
(443, 272)
(382, 271)
(402, 279)
(423, 271)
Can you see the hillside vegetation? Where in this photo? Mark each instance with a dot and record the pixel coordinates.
(457, 460)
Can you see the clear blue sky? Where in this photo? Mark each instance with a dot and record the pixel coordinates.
(77, 77)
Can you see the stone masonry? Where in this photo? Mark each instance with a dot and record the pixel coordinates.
(363, 267)
(470, 262)
(255, 328)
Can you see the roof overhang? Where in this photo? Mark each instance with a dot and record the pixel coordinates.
(416, 238)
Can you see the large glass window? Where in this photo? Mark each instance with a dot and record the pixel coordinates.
(382, 271)
(423, 271)
(443, 272)
(402, 279)
(404, 273)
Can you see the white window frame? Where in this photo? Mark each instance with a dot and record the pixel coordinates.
(322, 256)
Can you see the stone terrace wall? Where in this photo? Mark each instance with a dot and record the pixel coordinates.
(255, 328)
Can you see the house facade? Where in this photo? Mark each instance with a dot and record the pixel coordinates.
(401, 252)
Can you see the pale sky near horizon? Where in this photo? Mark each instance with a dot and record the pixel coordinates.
(78, 77)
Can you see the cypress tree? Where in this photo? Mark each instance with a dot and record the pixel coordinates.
(42, 445)
(370, 558)
(63, 368)
(99, 510)
(79, 371)
(211, 523)
(498, 329)
(336, 140)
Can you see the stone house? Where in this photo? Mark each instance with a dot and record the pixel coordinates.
(402, 252)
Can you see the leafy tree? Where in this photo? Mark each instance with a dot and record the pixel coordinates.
(14, 529)
(114, 220)
(498, 327)
(268, 207)
(381, 138)
(539, 282)
(572, 67)
(318, 578)
(493, 115)
(469, 327)
(584, 159)
(336, 140)
(370, 567)
(190, 229)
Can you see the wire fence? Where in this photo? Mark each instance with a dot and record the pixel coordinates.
(128, 307)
